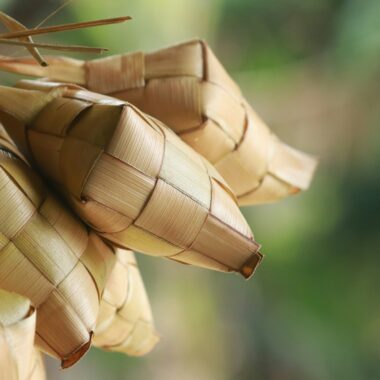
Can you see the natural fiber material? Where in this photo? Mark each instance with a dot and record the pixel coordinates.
(18, 358)
(47, 255)
(38, 368)
(125, 321)
(129, 177)
(186, 87)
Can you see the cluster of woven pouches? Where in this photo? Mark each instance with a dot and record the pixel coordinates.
(147, 152)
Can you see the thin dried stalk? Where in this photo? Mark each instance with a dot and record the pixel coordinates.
(131, 178)
(69, 48)
(64, 27)
(49, 257)
(54, 12)
(186, 87)
(125, 321)
(14, 26)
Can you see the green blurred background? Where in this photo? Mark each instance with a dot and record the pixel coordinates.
(311, 68)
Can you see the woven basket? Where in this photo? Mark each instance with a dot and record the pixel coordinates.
(187, 88)
(125, 321)
(18, 360)
(49, 257)
(129, 177)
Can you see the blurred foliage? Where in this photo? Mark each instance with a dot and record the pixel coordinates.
(311, 68)
(277, 33)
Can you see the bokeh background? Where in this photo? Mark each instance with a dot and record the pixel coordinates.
(311, 68)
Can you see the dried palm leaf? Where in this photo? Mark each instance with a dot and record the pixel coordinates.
(17, 328)
(187, 88)
(19, 360)
(50, 257)
(38, 368)
(129, 177)
(125, 321)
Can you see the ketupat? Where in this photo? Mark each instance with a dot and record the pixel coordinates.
(125, 321)
(129, 177)
(131, 315)
(187, 88)
(50, 257)
(19, 360)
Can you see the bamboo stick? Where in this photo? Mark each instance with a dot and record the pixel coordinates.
(129, 177)
(187, 88)
(125, 321)
(49, 257)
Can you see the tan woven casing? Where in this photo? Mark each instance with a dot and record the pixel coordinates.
(47, 255)
(18, 360)
(125, 321)
(129, 177)
(187, 88)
